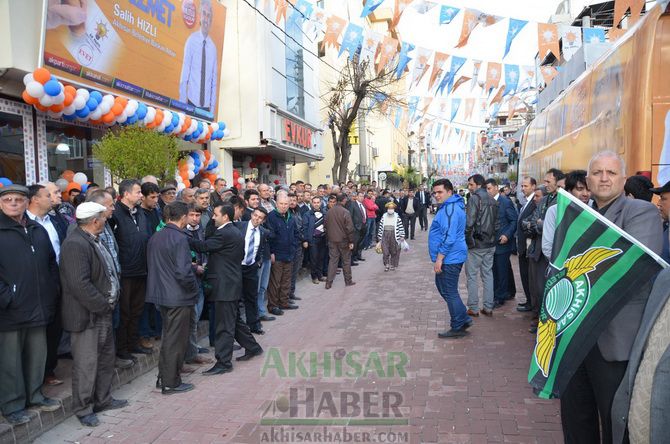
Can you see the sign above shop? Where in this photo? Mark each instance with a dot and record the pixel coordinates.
(296, 134)
(167, 52)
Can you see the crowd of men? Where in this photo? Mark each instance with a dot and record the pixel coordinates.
(482, 235)
(99, 276)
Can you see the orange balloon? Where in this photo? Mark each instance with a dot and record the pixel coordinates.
(41, 75)
(67, 175)
(117, 109)
(40, 107)
(69, 98)
(69, 89)
(159, 117)
(72, 186)
(184, 175)
(208, 155)
(187, 183)
(121, 101)
(186, 125)
(95, 122)
(30, 100)
(56, 108)
(109, 117)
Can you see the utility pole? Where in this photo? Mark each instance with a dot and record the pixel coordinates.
(363, 169)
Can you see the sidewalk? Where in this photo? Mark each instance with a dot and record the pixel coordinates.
(471, 390)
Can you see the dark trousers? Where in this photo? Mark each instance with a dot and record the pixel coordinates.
(586, 403)
(317, 252)
(54, 332)
(536, 281)
(22, 356)
(409, 223)
(501, 266)
(523, 272)
(337, 251)
(131, 303)
(92, 366)
(280, 284)
(360, 242)
(297, 265)
(250, 295)
(511, 294)
(230, 328)
(423, 217)
(174, 341)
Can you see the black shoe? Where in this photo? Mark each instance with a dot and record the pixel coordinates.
(218, 369)
(258, 331)
(323, 279)
(249, 355)
(532, 330)
(142, 350)
(291, 307)
(267, 318)
(181, 388)
(203, 350)
(466, 326)
(524, 308)
(498, 304)
(276, 311)
(126, 356)
(237, 347)
(159, 382)
(90, 420)
(360, 259)
(295, 298)
(354, 264)
(112, 405)
(18, 418)
(452, 334)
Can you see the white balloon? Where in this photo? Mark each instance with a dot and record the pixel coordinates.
(215, 126)
(28, 78)
(96, 115)
(131, 107)
(69, 109)
(226, 132)
(194, 125)
(35, 89)
(190, 160)
(122, 118)
(46, 100)
(60, 98)
(53, 114)
(62, 184)
(104, 107)
(240, 180)
(151, 115)
(80, 178)
(180, 186)
(83, 93)
(191, 175)
(79, 102)
(108, 99)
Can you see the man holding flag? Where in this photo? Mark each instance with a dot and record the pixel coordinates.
(598, 282)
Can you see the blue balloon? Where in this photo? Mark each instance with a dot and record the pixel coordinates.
(132, 119)
(52, 88)
(96, 95)
(5, 182)
(84, 188)
(222, 126)
(187, 138)
(141, 111)
(84, 112)
(91, 104)
(175, 120)
(220, 136)
(69, 117)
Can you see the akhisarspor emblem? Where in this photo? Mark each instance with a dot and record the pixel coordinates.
(566, 294)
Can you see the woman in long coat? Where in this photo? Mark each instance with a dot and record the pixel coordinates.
(390, 234)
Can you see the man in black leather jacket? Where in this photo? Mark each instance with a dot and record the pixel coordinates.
(480, 236)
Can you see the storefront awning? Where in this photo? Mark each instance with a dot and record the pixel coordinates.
(279, 151)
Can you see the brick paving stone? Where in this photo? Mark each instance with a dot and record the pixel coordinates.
(471, 390)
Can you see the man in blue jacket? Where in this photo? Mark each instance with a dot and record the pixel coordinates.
(448, 250)
(507, 217)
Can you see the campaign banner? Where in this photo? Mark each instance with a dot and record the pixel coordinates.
(166, 52)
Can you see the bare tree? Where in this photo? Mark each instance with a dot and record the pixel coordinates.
(358, 85)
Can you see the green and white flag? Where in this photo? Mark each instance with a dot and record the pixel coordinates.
(594, 267)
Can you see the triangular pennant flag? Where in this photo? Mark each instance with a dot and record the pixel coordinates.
(512, 75)
(387, 51)
(529, 77)
(498, 97)
(424, 6)
(426, 104)
(404, 58)
(511, 107)
(477, 64)
(398, 116)
(461, 80)
(455, 105)
(470, 22)
(400, 6)
(351, 40)
(280, 8)
(317, 24)
(438, 63)
(595, 267)
(411, 106)
(369, 46)
(487, 19)
(593, 35)
(370, 6)
(547, 39)
(334, 27)
(549, 72)
(614, 33)
(635, 11)
(302, 11)
(493, 72)
(469, 107)
(447, 14)
(515, 27)
(456, 65)
(420, 64)
(571, 37)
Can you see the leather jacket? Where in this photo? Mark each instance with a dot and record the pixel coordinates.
(481, 220)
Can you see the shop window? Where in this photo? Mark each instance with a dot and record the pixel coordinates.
(295, 79)
(12, 153)
(70, 147)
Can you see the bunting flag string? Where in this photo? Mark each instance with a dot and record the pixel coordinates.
(404, 58)
(369, 46)
(302, 10)
(459, 82)
(547, 36)
(370, 6)
(438, 62)
(511, 79)
(388, 50)
(334, 27)
(492, 77)
(515, 27)
(351, 40)
(593, 35)
(421, 65)
(572, 40)
(280, 8)
(447, 14)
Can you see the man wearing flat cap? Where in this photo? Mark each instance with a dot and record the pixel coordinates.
(91, 288)
(29, 287)
(664, 208)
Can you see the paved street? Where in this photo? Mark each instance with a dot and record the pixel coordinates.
(471, 390)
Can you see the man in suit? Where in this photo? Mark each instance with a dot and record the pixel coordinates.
(410, 206)
(224, 277)
(91, 287)
(528, 185)
(255, 241)
(506, 227)
(424, 200)
(587, 400)
(359, 219)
